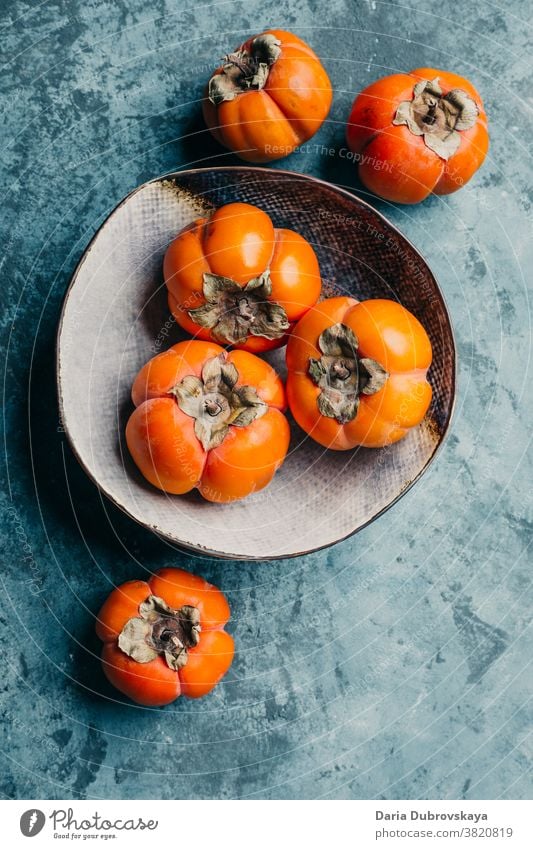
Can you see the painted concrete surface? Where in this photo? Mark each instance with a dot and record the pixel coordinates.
(394, 665)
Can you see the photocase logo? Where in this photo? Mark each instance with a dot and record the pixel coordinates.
(32, 822)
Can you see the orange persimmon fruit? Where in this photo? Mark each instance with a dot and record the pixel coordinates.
(236, 280)
(357, 372)
(165, 637)
(418, 133)
(208, 419)
(270, 95)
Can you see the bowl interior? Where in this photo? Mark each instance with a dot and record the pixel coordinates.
(115, 318)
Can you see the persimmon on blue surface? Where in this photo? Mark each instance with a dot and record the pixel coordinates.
(270, 95)
(418, 133)
(165, 637)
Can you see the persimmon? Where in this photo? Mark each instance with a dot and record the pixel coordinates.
(418, 133)
(235, 279)
(357, 372)
(165, 637)
(209, 420)
(270, 95)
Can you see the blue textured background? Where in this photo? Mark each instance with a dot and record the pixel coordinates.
(393, 665)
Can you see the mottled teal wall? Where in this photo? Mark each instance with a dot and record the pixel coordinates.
(393, 665)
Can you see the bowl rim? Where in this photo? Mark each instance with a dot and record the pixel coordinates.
(199, 549)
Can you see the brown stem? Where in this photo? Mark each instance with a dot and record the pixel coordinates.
(233, 313)
(438, 117)
(342, 375)
(215, 403)
(341, 370)
(245, 70)
(161, 630)
(212, 408)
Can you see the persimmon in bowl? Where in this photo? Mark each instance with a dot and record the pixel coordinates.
(116, 317)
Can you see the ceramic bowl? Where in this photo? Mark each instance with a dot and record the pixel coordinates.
(115, 317)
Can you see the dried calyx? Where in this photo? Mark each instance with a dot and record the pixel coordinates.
(342, 375)
(245, 70)
(214, 402)
(438, 118)
(161, 630)
(232, 312)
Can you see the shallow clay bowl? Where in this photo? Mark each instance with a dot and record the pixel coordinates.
(115, 317)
